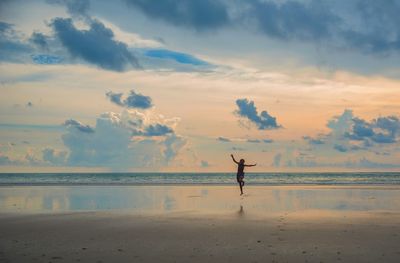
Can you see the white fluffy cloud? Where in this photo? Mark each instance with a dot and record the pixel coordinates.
(121, 140)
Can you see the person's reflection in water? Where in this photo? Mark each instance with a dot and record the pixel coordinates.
(241, 211)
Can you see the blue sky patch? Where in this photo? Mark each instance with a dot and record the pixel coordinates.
(177, 56)
(44, 59)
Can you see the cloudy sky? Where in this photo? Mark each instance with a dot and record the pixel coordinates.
(142, 85)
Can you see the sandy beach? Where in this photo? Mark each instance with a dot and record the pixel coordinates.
(247, 232)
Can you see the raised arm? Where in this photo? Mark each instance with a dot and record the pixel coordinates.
(233, 158)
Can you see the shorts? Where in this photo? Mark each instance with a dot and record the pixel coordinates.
(240, 178)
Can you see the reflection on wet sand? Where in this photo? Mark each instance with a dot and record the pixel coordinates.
(241, 211)
(199, 199)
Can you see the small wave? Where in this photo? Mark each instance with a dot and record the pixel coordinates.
(197, 178)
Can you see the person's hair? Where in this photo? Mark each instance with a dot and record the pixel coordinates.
(242, 160)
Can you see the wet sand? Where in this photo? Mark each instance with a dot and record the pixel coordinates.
(295, 233)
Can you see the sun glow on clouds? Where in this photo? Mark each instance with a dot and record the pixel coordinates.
(178, 87)
(132, 39)
(283, 108)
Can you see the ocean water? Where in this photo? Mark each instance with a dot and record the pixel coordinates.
(200, 199)
(369, 178)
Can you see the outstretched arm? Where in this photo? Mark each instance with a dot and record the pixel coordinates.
(249, 165)
(233, 158)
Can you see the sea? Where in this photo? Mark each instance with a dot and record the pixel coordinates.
(348, 178)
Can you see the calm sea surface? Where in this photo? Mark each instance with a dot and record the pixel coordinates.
(197, 178)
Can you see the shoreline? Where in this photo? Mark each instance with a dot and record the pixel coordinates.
(248, 184)
(291, 223)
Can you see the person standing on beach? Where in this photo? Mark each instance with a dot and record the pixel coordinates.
(240, 172)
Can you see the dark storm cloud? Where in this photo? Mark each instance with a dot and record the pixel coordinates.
(4, 27)
(286, 20)
(292, 19)
(363, 25)
(380, 30)
(134, 100)
(367, 26)
(198, 14)
(96, 45)
(11, 47)
(39, 39)
(248, 110)
(74, 7)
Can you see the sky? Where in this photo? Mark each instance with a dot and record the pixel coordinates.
(178, 86)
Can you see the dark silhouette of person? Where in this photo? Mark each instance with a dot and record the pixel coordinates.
(240, 172)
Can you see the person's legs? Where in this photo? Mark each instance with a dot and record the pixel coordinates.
(241, 183)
